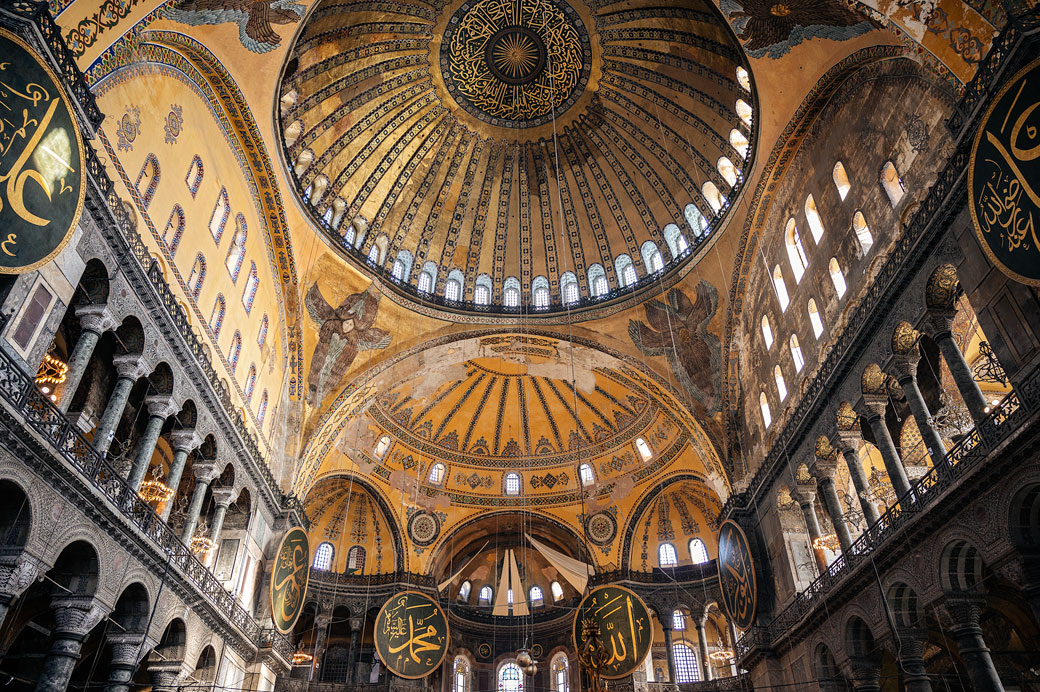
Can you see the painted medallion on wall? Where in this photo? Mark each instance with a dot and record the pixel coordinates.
(289, 579)
(601, 528)
(626, 631)
(41, 160)
(1004, 178)
(423, 528)
(411, 634)
(737, 574)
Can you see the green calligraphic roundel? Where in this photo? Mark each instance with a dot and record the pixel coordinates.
(411, 635)
(41, 160)
(289, 579)
(737, 575)
(626, 629)
(1004, 178)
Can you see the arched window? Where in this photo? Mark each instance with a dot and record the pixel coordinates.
(402, 268)
(560, 675)
(813, 217)
(763, 403)
(815, 319)
(464, 591)
(339, 207)
(739, 142)
(482, 290)
(453, 286)
(626, 271)
(678, 620)
(540, 292)
(644, 449)
(350, 236)
(744, 111)
(197, 276)
(511, 292)
(437, 472)
(569, 288)
(743, 79)
(536, 598)
(557, 591)
(841, 180)
(698, 552)
(485, 595)
(795, 251)
(676, 241)
(356, 559)
(323, 556)
(326, 218)
(193, 178)
(652, 259)
(862, 231)
(837, 277)
(666, 555)
(781, 288)
(316, 190)
(261, 335)
(767, 332)
(427, 278)
(216, 318)
(597, 280)
(586, 474)
(686, 669)
(148, 178)
(796, 354)
(512, 483)
(727, 170)
(381, 446)
(510, 678)
(250, 382)
(712, 196)
(221, 212)
(235, 351)
(891, 183)
(781, 386)
(237, 250)
(171, 236)
(460, 674)
(262, 411)
(373, 254)
(695, 219)
(249, 291)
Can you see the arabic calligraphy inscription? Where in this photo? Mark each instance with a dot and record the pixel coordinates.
(411, 635)
(737, 575)
(289, 579)
(624, 624)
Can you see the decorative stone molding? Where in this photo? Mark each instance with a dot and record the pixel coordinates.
(132, 366)
(96, 318)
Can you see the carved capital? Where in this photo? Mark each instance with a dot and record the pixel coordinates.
(904, 365)
(849, 440)
(131, 366)
(874, 405)
(18, 572)
(964, 609)
(356, 624)
(160, 406)
(127, 647)
(223, 496)
(939, 322)
(184, 440)
(76, 614)
(823, 468)
(322, 620)
(804, 494)
(205, 470)
(95, 318)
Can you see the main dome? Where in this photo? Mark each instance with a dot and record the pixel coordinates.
(517, 155)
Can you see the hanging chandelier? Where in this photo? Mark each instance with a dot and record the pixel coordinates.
(952, 418)
(828, 542)
(154, 489)
(301, 657)
(721, 655)
(526, 662)
(987, 368)
(200, 542)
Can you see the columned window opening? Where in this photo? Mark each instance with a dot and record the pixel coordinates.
(460, 674)
(560, 676)
(510, 678)
(686, 668)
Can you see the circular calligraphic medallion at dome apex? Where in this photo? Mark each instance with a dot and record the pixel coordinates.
(737, 575)
(1004, 178)
(289, 579)
(515, 63)
(411, 634)
(41, 160)
(626, 629)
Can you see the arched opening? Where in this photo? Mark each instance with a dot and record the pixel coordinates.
(841, 180)
(891, 183)
(795, 252)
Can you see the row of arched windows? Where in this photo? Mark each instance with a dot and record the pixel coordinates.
(324, 553)
(486, 596)
(667, 556)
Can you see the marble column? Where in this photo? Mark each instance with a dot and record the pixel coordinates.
(126, 650)
(849, 441)
(183, 442)
(702, 646)
(94, 320)
(222, 498)
(205, 471)
(733, 645)
(129, 369)
(941, 323)
(911, 659)
(964, 610)
(805, 496)
(159, 409)
(865, 675)
(321, 624)
(352, 653)
(904, 367)
(874, 414)
(666, 627)
(74, 617)
(17, 573)
(823, 471)
(164, 674)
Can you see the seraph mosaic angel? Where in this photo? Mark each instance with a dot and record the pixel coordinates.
(255, 18)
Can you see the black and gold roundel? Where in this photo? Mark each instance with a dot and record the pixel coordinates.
(289, 579)
(737, 575)
(1004, 178)
(41, 160)
(411, 634)
(625, 628)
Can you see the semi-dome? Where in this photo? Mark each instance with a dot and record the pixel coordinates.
(529, 155)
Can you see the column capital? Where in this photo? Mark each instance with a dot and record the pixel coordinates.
(184, 440)
(904, 365)
(205, 470)
(964, 608)
(17, 573)
(96, 317)
(356, 624)
(223, 495)
(939, 321)
(804, 494)
(161, 405)
(131, 366)
(823, 468)
(849, 440)
(127, 648)
(76, 615)
(323, 619)
(874, 406)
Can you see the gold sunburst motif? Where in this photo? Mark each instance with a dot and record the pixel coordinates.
(516, 55)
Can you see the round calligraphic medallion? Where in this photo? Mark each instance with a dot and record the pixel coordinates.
(1004, 178)
(626, 629)
(41, 160)
(484, 650)
(515, 63)
(737, 574)
(423, 528)
(601, 528)
(411, 635)
(289, 579)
